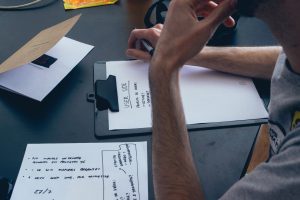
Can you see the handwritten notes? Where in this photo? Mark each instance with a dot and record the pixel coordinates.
(141, 98)
(94, 171)
(208, 96)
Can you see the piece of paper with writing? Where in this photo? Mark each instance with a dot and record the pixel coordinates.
(208, 96)
(93, 171)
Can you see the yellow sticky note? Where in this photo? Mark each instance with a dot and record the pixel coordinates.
(296, 120)
(75, 4)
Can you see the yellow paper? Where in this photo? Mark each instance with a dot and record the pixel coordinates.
(75, 4)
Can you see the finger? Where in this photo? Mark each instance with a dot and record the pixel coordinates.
(158, 26)
(229, 22)
(138, 54)
(205, 8)
(151, 35)
(135, 35)
(205, 11)
(221, 13)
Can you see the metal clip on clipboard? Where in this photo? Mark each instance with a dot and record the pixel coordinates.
(106, 95)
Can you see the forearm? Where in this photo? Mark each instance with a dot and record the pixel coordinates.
(256, 62)
(174, 172)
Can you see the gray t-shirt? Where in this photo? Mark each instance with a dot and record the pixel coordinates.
(279, 178)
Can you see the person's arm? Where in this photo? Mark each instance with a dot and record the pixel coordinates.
(174, 172)
(255, 62)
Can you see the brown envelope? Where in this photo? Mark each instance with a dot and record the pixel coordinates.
(38, 45)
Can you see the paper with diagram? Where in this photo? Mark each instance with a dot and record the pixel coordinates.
(208, 96)
(93, 171)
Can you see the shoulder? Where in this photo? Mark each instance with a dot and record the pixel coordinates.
(279, 178)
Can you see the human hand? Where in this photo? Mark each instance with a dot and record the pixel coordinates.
(205, 10)
(183, 35)
(135, 49)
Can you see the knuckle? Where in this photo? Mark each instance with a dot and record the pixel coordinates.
(134, 31)
(152, 32)
(159, 26)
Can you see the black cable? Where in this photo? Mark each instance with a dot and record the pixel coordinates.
(21, 5)
(28, 6)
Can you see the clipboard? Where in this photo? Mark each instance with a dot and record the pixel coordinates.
(105, 98)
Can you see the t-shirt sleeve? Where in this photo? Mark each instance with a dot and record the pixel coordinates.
(279, 178)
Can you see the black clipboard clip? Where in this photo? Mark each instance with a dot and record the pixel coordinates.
(106, 94)
(105, 98)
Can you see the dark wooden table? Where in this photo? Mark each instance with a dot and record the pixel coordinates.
(65, 116)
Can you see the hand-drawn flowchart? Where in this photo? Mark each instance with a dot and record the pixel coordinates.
(123, 166)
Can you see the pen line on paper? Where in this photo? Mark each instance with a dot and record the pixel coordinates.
(129, 94)
(137, 171)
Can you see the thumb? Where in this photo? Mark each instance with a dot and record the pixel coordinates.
(221, 13)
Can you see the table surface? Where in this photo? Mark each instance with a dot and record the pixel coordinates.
(65, 116)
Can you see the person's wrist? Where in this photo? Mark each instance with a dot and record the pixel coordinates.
(162, 69)
(162, 65)
(201, 58)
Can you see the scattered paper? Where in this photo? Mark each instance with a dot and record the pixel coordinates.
(38, 45)
(37, 82)
(208, 96)
(93, 171)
